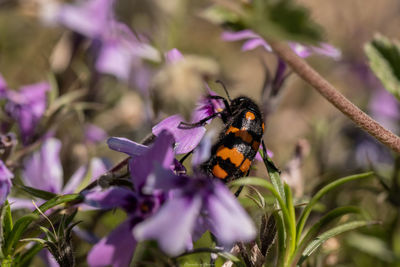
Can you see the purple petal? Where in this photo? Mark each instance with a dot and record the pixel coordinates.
(229, 221)
(203, 150)
(75, 180)
(173, 55)
(3, 87)
(384, 104)
(254, 43)
(185, 139)
(110, 198)
(43, 169)
(301, 50)
(161, 152)
(115, 59)
(88, 18)
(327, 50)
(239, 35)
(172, 225)
(207, 107)
(96, 169)
(94, 134)
(122, 144)
(27, 107)
(22, 203)
(116, 249)
(5, 182)
(163, 179)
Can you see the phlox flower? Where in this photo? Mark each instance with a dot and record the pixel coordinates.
(5, 182)
(43, 170)
(118, 51)
(254, 40)
(197, 204)
(26, 106)
(117, 248)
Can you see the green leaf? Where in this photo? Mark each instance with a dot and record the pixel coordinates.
(274, 175)
(21, 224)
(384, 60)
(325, 220)
(27, 257)
(283, 20)
(37, 240)
(328, 234)
(281, 238)
(373, 246)
(307, 210)
(36, 192)
(290, 227)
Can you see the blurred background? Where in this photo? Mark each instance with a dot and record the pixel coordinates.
(303, 127)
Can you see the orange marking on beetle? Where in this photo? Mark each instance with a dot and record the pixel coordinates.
(219, 172)
(245, 166)
(255, 146)
(250, 115)
(244, 135)
(232, 130)
(233, 154)
(262, 125)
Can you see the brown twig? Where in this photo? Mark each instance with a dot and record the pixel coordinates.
(327, 90)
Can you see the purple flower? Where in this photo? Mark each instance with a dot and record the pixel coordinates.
(43, 171)
(117, 248)
(5, 182)
(254, 40)
(121, 52)
(94, 134)
(173, 55)
(89, 18)
(26, 106)
(384, 107)
(197, 203)
(118, 51)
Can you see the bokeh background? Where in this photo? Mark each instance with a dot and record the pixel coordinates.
(331, 145)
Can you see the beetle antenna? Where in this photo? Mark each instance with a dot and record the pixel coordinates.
(226, 91)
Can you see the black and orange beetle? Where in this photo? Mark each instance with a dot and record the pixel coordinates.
(238, 143)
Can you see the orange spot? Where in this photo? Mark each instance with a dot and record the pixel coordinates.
(232, 130)
(250, 115)
(219, 172)
(219, 109)
(233, 154)
(244, 135)
(255, 146)
(262, 125)
(245, 166)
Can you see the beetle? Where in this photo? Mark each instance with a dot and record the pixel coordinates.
(239, 141)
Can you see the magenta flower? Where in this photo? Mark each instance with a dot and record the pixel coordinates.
(5, 182)
(117, 248)
(254, 40)
(43, 171)
(26, 106)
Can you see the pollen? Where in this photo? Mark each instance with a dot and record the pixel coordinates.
(250, 116)
(233, 154)
(219, 172)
